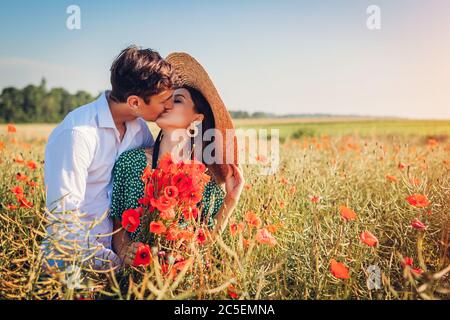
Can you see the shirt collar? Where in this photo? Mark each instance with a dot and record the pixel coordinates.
(105, 119)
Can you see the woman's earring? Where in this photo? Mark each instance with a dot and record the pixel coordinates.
(192, 131)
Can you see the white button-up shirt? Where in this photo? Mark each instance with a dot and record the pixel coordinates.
(79, 158)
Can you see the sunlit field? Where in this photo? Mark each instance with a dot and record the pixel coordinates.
(358, 209)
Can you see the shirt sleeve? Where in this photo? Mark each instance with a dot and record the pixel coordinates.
(67, 160)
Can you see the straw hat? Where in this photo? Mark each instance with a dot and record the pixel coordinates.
(190, 73)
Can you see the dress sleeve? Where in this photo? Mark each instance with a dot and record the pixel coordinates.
(212, 201)
(118, 190)
(128, 187)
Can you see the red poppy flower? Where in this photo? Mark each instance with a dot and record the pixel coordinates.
(145, 201)
(347, 213)
(263, 236)
(11, 207)
(369, 239)
(201, 236)
(193, 197)
(157, 227)
(166, 162)
(183, 183)
(17, 190)
(418, 200)
(170, 192)
(21, 177)
(190, 213)
(407, 261)
(31, 164)
(11, 128)
(401, 165)
(432, 142)
(32, 183)
(391, 178)
(149, 190)
(163, 203)
(417, 270)
(143, 256)
(231, 290)
(252, 219)
(314, 199)
(339, 270)
(272, 228)
(236, 228)
(19, 159)
(417, 224)
(24, 203)
(147, 173)
(131, 219)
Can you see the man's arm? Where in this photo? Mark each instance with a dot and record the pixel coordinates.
(67, 160)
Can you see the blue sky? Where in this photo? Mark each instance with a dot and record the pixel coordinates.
(274, 56)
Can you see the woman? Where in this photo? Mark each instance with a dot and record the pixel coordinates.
(196, 101)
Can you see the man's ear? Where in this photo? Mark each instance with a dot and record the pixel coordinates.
(133, 102)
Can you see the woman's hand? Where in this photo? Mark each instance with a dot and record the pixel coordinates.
(234, 183)
(130, 253)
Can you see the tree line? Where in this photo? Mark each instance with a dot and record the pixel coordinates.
(37, 104)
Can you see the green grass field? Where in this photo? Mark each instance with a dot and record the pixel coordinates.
(294, 128)
(328, 168)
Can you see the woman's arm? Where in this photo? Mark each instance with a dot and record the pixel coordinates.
(234, 183)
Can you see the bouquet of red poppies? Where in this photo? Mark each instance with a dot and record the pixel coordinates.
(169, 215)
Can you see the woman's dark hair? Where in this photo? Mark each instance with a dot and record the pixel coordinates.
(202, 106)
(140, 72)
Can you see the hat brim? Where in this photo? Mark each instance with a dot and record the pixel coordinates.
(191, 73)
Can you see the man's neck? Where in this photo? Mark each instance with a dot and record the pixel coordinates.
(119, 112)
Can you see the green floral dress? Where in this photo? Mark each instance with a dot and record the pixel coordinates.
(128, 188)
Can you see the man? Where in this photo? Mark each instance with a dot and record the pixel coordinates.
(82, 149)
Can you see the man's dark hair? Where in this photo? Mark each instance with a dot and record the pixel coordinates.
(140, 72)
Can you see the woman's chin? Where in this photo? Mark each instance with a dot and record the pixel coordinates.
(163, 124)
